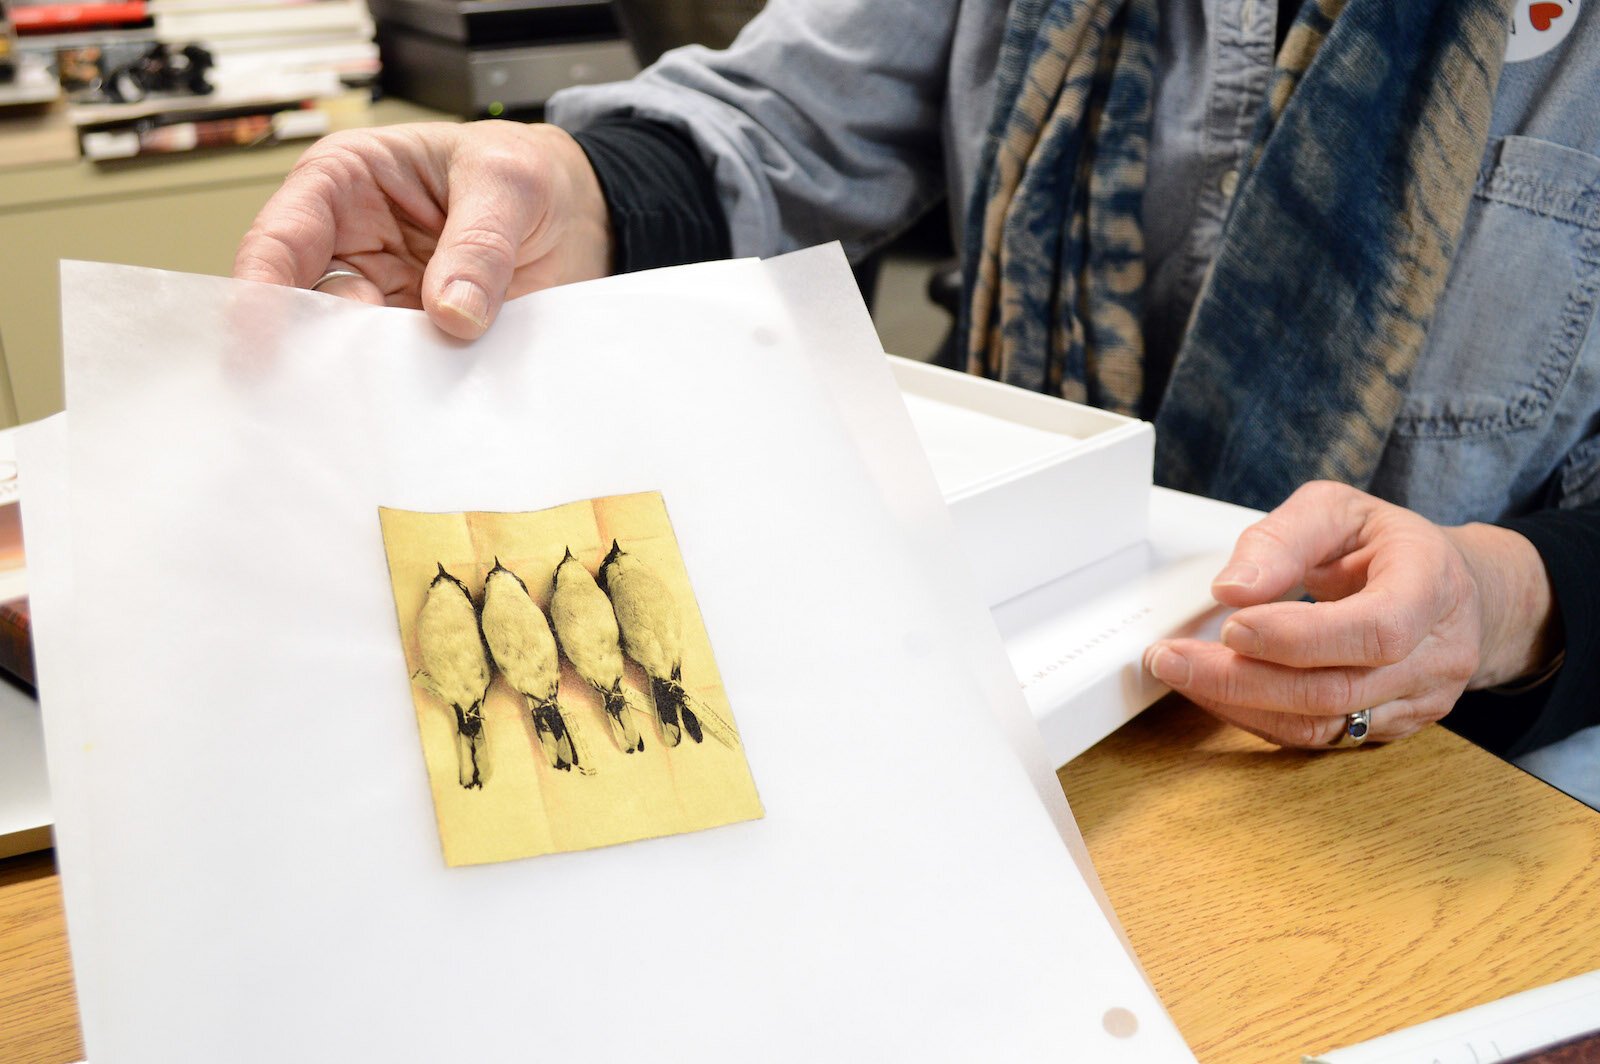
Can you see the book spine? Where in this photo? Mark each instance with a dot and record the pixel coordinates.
(51, 18)
(326, 17)
(229, 131)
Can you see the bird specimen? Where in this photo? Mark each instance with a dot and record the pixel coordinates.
(455, 668)
(652, 633)
(587, 632)
(523, 648)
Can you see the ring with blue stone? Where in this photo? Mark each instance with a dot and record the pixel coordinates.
(1356, 727)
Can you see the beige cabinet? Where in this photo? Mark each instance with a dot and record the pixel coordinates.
(173, 213)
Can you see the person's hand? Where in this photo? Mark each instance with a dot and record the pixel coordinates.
(1408, 615)
(451, 218)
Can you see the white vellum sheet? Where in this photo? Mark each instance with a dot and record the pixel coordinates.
(219, 648)
(836, 330)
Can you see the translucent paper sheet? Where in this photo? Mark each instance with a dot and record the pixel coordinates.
(252, 865)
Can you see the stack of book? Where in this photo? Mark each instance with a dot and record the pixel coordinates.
(34, 127)
(255, 42)
(159, 76)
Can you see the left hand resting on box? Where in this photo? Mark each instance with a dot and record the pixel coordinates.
(1408, 615)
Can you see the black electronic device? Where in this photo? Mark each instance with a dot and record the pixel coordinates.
(495, 57)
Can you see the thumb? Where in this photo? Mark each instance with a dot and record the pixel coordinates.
(1320, 521)
(488, 218)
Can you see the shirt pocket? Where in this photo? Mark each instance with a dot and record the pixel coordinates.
(1475, 436)
(1579, 483)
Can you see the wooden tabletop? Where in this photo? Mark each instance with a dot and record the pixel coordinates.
(1287, 903)
(1282, 903)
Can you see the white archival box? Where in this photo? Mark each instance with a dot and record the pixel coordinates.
(1039, 487)
(1082, 561)
(1077, 643)
(24, 787)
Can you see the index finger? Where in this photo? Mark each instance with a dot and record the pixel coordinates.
(291, 241)
(1379, 625)
(1320, 521)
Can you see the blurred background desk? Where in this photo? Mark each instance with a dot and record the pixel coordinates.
(174, 213)
(1282, 903)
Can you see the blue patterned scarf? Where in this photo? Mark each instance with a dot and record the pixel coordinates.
(1334, 253)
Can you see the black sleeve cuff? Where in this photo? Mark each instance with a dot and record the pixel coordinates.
(1569, 543)
(660, 192)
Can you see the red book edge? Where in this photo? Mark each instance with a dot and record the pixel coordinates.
(40, 17)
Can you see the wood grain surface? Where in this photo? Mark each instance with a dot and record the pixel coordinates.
(1282, 903)
(1287, 903)
(38, 1012)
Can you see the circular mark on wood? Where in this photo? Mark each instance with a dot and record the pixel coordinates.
(1120, 1023)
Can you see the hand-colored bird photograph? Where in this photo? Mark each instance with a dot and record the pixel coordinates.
(563, 681)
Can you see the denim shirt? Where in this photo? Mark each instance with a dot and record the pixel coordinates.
(1502, 415)
(847, 119)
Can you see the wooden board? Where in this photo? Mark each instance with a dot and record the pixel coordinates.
(1287, 903)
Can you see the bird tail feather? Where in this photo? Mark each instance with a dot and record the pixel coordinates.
(702, 719)
(672, 707)
(551, 728)
(472, 753)
(691, 721)
(622, 727)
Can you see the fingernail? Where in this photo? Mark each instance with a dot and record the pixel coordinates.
(1241, 638)
(468, 300)
(1171, 668)
(1243, 574)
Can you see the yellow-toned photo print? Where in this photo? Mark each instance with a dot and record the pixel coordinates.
(562, 678)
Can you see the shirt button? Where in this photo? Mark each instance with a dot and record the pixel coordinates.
(1229, 183)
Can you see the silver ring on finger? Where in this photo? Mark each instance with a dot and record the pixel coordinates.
(334, 275)
(1357, 726)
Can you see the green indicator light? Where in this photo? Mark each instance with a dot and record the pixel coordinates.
(497, 109)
